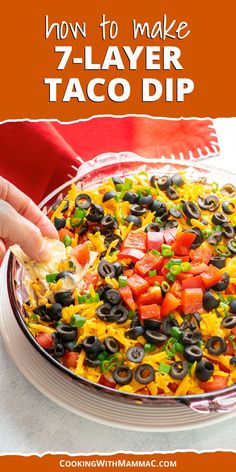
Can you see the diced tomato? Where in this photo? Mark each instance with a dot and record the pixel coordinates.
(151, 280)
(173, 386)
(107, 381)
(198, 268)
(45, 340)
(90, 278)
(149, 311)
(211, 276)
(136, 240)
(231, 289)
(154, 240)
(137, 284)
(81, 253)
(191, 300)
(70, 359)
(64, 232)
(147, 263)
(230, 349)
(131, 253)
(193, 282)
(202, 254)
(176, 289)
(217, 383)
(233, 331)
(153, 295)
(183, 243)
(169, 304)
(170, 235)
(128, 272)
(127, 297)
(184, 276)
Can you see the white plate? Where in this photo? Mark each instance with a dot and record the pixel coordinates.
(76, 398)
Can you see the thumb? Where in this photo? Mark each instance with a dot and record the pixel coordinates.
(21, 231)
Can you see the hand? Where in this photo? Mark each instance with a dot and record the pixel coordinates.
(21, 222)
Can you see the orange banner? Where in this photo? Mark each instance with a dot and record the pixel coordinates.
(73, 60)
(133, 462)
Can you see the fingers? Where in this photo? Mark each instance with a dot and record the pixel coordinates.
(2, 250)
(27, 208)
(21, 231)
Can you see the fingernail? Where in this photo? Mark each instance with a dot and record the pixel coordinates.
(44, 253)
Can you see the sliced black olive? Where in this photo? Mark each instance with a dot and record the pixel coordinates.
(228, 207)
(210, 203)
(92, 345)
(216, 345)
(113, 237)
(64, 298)
(119, 314)
(92, 362)
(197, 317)
(170, 224)
(102, 289)
(135, 321)
(137, 210)
(56, 205)
(150, 323)
(108, 196)
(209, 301)
(122, 375)
(191, 210)
(111, 345)
(159, 208)
(104, 311)
(167, 324)
(219, 218)
(118, 268)
(64, 274)
(134, 219)
(58, 350)
(59, 223)
(179, 370)
(117, 180)
(83, 201)
(135, 354)
(109, 222)
(106, 269)
(66, 332)
(164, 182)
(96, 213)
(72, 346)
(155, 227)
(171, 193)
(55, 312)
(190, 338)
(153, 181)
(84, 228)
(231, 244)
(144, 374)
(228, 231)
(145, 200)
(175, 213)
(233, 360)
(134, 333)
(130, 197)
(229, 322)
(177, 180)
(222, 284)
(204, 370)
(112, 296)
(193, 353)
(215, 238)
(42, 311)
(232, 306)
(228, 190)
(199, 237)
(218, 261)
(155, 337)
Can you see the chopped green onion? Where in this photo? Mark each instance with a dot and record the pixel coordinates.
(152, 273)
(71, 264)
(50, 278)
(127, 185)
(223, 250)
(122, 280)
(179, 347)
(171, 277)
(143, 172)
(165, 286)
(149, 347)
(102, 356)
(206, 232)
(33, 318)
(215, 186)
(156, 253)
(232, 339)
(67, 240)
(81, 298)
(175, 269)
(78, 217)
(77, 321)
(111, 362)
(185, 266)
(164, 368)
(173, 262)
(158, 220)
(176, 332)
(131, 314)
(89, 299)
(166, 250)
(217, 228)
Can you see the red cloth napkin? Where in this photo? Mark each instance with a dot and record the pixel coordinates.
(38, 156)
